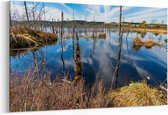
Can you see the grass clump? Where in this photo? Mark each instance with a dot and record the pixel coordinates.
(137, 94)
(26, 37)
(150, 43)
(22, 41)
(42, 37)
(102, 35)
(138, 43)
(89, 36)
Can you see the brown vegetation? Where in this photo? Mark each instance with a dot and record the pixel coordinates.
(137, 94)
(89, 36)
(26, 37)
(155, 30)
(102, 35)
(138, 43)
(28, 94)
(36, 94)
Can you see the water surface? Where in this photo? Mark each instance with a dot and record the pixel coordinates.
(99, 57)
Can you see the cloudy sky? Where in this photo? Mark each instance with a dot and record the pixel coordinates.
(90, 12)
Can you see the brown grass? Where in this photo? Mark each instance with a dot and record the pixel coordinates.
(28, 94)
(26, 37)
(88, 36)
(150, 43)
(138, 43)
(137, 94)
(102, 35)
(155, 30)
(37, 94)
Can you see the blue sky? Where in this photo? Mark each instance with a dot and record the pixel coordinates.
(105, 13)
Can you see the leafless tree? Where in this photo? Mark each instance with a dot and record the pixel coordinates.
(115, 74)
(10, 20)
(26, 11)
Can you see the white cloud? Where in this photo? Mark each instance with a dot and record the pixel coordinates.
(107, 8)
(51, 12)
(110, 14)
(66, 7)
(148, 14)
(17, 11)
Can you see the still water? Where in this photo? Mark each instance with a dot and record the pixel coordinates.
(99, 57)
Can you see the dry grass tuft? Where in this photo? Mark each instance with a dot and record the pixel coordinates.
(138, 43)
(41, 36)
(102, 35)
(89, 36)
(151, 43)
(137, 94)
(26, 37)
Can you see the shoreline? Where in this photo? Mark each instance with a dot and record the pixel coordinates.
(155, 30)
(74, 94)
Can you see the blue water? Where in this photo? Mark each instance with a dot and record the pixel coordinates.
(99, 58)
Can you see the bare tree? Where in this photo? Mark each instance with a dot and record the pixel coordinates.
(115, 74)
(62, 18)
(120, 25)
(44, 12)
(10, 20)
(53, 29)
(26, 11)
(35, 5)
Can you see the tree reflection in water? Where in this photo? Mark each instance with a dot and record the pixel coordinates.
(61, 43)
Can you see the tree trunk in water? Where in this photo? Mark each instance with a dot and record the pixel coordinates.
(120, 40)
(115, 74)
(77, 61)
(62, 18)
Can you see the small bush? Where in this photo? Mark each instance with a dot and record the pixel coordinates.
(30, 94)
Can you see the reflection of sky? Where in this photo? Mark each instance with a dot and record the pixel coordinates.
(99, 58)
